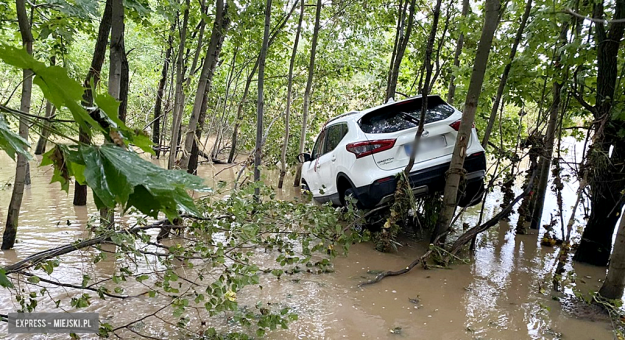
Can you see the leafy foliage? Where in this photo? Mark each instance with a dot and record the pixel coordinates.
(11, 142)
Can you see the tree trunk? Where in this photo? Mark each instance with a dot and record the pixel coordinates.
(158, 106)
(13, 213)
(399, 39)
(607, 178)
(401, 49)
(45, 129)
(92, 79)
(459, 43)
(260, 102)
(456, 170)
(506, 72)
(179, 94)
(289, 92)
(195, 151)
(212, 56)
(116, 77)
(248, 82)
(311, 73)
(425, 87)
(544, 165)
(614, 283)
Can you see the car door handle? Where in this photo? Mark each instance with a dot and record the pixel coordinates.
(333, 158)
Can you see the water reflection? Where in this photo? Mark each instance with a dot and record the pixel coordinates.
(503, 293)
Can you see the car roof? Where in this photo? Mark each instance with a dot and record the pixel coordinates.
(355, 115)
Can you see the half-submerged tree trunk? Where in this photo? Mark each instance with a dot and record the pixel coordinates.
(178, 94)
(311, 73)
(614, 283)
(289, 93)
(116, 77)
(456, 169)
(452, 85)
(545, 159)
(258, 152)
(506, 72)
(13, 213)
(92, 79)
(212, 56)
(401, 42)
(607, 178)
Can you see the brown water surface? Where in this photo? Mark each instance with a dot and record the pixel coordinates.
(503, 292)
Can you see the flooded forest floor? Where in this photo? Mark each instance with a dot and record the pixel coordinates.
(502, 292)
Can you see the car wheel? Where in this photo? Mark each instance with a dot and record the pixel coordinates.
(473, 194)
(350, 192)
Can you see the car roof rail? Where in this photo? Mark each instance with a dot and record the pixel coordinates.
(341, 116)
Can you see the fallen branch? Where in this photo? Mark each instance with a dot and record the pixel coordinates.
(473, 232)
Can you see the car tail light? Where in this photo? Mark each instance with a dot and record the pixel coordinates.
(362, 149)
(456, 125)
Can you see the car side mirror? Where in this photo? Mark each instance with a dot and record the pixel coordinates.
(303, 157)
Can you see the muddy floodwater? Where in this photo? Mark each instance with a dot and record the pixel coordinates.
(502, 292)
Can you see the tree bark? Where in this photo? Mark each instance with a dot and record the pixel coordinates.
(452, 86)
(607, 178)
(311, 73)
(248, 82)
(614, 283)
(401, 41)
(289, 92)
(545, 159)
(456, 170)
(212, 56)
(45, 129)
(260, 102)
(425, 87)
(158, 106)
(506, 72)
(13, 213)
(179, 94)
(92, 79)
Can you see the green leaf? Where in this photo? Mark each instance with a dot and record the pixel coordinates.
(120, 176)
(11, 142)
(4, 281)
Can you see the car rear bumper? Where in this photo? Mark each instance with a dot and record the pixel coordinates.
(422, 181)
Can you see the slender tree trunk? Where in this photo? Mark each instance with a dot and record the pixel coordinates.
(92, 79)
(506, 72)
(607, 178)
(456, 170)
(116, 77)
(158, 111)
(212, 56)
(179, 94)
(311, 73)
(13, 213)
(261, 102)
(193, 159)
(391, 83)
(452, 86)
(545, 159)
(614, 283)
(401, 49)
(425, 87)
(45, 129)
(124, 83)
(289, 93)
(248, 82)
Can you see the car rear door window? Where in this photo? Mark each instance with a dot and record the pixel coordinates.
(404, 115)
(318, 148)
(335, 134)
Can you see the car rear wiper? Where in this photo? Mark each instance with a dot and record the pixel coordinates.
(409, 118)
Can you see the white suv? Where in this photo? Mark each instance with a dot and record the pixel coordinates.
(359, 153)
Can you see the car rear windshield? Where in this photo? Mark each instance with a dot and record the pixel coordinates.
(393, 118)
